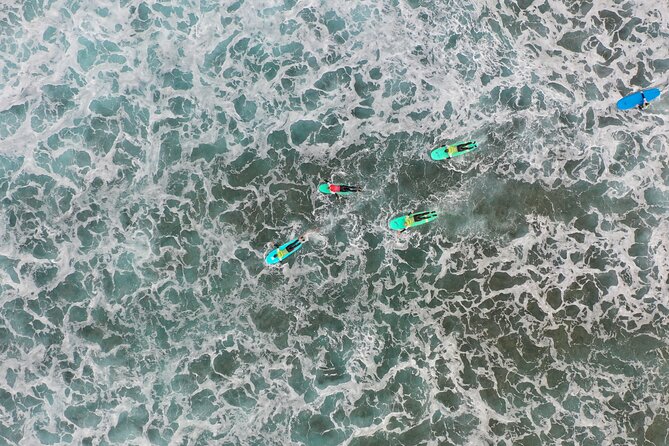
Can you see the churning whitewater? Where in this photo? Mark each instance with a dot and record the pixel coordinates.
(152, 152)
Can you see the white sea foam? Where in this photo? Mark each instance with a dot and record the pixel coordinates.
(134, 232)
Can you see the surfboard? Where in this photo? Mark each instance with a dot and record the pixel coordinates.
(273, 257)
(400, 223)
(451, 151)
(635, 99)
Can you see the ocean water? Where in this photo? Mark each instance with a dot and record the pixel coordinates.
(152, 151)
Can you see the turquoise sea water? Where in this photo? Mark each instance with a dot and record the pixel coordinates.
(151, 152)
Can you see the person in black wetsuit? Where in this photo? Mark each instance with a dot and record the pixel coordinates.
(645, 103)
(464, 146)
(338, 188)
(281, 253)
(296, 244)
(421, 216)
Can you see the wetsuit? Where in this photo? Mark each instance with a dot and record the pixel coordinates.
(421, 216)
(644, 104)
(334, 188)
(293, 246)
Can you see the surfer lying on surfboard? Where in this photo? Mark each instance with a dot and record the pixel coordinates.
(281, 252)
(412, 219)
(338, 189)
(334, 188)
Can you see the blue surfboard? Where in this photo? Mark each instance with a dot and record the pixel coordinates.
(275, 256)
(635, 99)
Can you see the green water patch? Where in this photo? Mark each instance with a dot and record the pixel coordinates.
(107, 106)
(515, 98)
(240, 397)
(208, 152)
(170, 151)
(91, 233)
(184, 384)
(511, 200)
(94, 334)
(331, 132)
(83, 416)
(214, 60)
(71, 290)
(168, 11)
(203, 404)
(501, 280)
(365, 413)
(100, 134)
(40, 246)
(44, 274)
(181, 106)
(333, 22)
(129, 157)
(120, 284)
(8, 166)
(226, 363)
(246, 109)
(271, 320)
(32, 9)
(21, 321)
(278, 139)
(294, 49)
(296, 378)
(47, 438)
(270, 70)
(252, 173)
(178, 80)
(73, 164)
(142, 17)
(77, 313)
(333, 371)
(363, 112)
(573, 40)
(11, 119)
(9, 265)
(130, 425)
(55, 102)
(289, 27)
(333, 80)
(315, 429)
(98, 52)
(320, 320)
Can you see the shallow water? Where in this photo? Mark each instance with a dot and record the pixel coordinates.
(151, 152)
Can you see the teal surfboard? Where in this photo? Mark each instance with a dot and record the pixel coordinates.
(451, 151)
(274, 257)
(325, 188)
(636, 99)
(405, 221)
